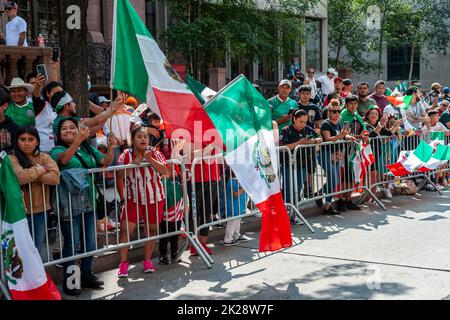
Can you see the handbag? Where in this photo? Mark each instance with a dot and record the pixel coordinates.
(102, 209)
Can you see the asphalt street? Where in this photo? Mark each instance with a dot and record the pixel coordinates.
(402, 253)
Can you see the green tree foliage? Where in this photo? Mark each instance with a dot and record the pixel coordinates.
(348, 35)
(205, 31)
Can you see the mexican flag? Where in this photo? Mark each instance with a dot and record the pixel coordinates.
(140, 68)
(439, 158)
(361, 158)
(397, 101)
(25, 273)
(202, 92)
(437, 138)
(244, 120)
(409, 161)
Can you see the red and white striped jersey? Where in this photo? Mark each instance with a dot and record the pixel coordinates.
(138, 180)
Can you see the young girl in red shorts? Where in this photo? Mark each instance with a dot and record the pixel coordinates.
(143, 196)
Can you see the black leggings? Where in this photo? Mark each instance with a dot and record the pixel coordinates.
(166, 227)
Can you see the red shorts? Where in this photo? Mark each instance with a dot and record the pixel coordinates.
(151, 214)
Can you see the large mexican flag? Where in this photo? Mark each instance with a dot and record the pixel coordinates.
(140, 68)
(411, 161)
(243, 118)
(25, 273)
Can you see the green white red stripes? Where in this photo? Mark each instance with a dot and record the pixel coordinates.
(202, 92)
(243, 119)
(25, 273)
(139, 67)
(411, 161)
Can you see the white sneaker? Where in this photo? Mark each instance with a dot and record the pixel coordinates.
(439, 187)
(388, 193)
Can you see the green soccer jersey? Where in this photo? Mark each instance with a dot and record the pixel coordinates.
(280, 109)
(21, 115)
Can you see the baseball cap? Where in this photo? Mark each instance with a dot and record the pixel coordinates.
(411, 91)
(347, 82)
(436, 86)
(285, 82)
(351, 98)
(103, 99)
(416, 83)
(10, 4)
(446, 90)
(332, 70)
(338, 79)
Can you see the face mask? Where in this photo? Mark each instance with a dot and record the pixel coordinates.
(89, 84)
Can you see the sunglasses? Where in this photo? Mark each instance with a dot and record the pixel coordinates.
(8, 9)
(335, 111)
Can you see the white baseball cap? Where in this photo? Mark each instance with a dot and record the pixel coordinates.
(332, 70)
(103, 99)
(285, 82)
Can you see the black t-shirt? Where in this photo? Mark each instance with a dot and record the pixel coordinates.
(290, 135)
(334, 130)
(7, 131)
(313, 113)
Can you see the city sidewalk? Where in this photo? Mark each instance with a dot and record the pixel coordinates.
(402, 253)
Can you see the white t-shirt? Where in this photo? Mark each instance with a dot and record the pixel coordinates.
(44, 126)
(313, 85)
(13, 30)
(327, 84)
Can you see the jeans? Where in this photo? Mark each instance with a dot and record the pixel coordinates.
(301, 179)
(83, 236)
(332, 171)
(166, 227)
(36, 223)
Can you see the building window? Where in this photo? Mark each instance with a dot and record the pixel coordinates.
(399, 60)
(150, 17)
(313, 44)
(47, 23)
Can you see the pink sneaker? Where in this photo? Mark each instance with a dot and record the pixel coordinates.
(148, 266)
(123, 270)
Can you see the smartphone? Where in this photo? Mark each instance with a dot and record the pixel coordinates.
(55, 54)
(41, 69)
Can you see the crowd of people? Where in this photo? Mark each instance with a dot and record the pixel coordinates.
(348, 115)
(51, 146)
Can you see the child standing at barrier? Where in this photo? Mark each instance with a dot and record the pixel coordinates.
(144, 196)
(236, 205)
(173, 216)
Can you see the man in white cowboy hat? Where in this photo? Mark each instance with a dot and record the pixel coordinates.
(21, 110)
(327, 81)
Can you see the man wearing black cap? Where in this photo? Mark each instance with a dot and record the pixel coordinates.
(16, 28)
(416, 113)
(348, 87)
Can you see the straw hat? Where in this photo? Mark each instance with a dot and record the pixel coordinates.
(19, 83)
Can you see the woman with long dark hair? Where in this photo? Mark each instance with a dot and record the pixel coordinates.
(74, 152)
(36, 171)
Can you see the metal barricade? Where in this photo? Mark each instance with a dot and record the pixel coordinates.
(286, 174)
(211, 193)
(387, 151)
(152, 221)
(323, 171)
